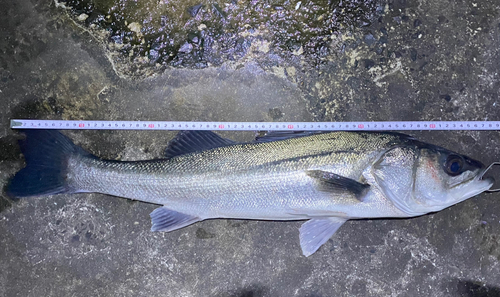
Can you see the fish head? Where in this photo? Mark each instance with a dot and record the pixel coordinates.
(422, 178)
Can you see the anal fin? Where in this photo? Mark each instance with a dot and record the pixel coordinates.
(315, 232)
(167, 220)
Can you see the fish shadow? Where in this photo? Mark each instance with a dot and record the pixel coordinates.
(10, 156)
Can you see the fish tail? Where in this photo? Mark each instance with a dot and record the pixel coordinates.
(47, 153)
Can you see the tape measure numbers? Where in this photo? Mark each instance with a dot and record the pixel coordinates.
(253, 126)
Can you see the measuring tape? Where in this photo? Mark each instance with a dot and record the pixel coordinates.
(253, 126)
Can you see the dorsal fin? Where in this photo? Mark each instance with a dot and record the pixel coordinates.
(270, 136)
(186, 142)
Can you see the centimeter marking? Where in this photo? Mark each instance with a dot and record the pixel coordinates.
(253, 126)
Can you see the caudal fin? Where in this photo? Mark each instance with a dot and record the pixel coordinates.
(46, 153)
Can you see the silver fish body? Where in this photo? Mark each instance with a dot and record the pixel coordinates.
(326, 178)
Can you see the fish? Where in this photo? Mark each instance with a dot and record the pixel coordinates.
(324, 178)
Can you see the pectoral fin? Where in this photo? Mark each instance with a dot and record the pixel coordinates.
(329, 181)
(164, 219)
(315, 232)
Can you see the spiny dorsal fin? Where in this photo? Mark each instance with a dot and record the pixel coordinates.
(187, 142)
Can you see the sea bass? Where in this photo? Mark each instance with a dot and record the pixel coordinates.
(324, 178)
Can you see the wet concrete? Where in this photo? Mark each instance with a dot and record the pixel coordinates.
(400, 60)
(147, 36)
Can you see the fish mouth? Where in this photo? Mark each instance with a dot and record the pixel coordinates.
(477, 186)
(480, 183)
(489, 179)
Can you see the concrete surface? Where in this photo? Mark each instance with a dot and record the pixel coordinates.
(405, 60)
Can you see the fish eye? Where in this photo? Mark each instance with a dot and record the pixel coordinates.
(454, 165)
